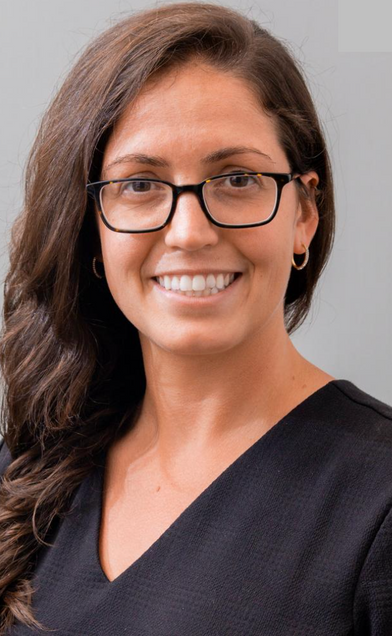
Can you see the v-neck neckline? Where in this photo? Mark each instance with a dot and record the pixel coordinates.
(99, 472)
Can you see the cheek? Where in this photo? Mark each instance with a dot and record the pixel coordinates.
(269, 249)
(123, 257)
(270, 253)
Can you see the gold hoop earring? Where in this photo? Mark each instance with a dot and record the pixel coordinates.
(95, 268)
(305, 261)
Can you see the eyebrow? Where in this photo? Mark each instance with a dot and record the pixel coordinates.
(159, 162)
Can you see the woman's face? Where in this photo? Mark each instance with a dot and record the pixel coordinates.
(182, 117)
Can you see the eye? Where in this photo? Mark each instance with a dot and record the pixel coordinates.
(137, 186)
(237, 182)
(240, 180)
(142, 187)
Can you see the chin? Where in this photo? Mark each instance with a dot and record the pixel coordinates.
(195, 344)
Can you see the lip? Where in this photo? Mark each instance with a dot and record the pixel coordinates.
(198, 300)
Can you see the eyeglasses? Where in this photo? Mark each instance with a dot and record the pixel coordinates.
(233, 200)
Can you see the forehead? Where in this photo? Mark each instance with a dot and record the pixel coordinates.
(194, 109)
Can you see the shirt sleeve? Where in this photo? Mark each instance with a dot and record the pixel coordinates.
(373, 596)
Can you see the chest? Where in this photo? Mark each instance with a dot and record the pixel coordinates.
(134, 518)
(141, 500)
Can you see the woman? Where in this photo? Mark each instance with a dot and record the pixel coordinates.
(172, 465)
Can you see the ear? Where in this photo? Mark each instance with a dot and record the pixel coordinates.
(95, 240)
(307, 217)
(97, 251)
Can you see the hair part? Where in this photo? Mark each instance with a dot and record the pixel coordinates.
(71, 362)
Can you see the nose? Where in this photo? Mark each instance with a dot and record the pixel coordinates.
(189, 227)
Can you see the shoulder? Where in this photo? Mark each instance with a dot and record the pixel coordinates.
(360, 412)
(357, 396)
(344, 437)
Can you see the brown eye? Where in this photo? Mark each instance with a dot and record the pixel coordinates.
(239, 180)
(136, 186)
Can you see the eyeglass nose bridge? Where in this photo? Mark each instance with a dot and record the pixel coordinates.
(197, 189)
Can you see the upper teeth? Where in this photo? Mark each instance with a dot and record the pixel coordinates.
(196, 283)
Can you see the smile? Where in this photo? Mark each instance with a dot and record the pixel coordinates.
(198, 285)
(207, 295)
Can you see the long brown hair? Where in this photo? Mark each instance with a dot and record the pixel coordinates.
(72, 364)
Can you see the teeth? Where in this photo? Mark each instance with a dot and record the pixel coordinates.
(166, 282)
(220, 283)
(175, 284)
(210, 281)
(185, 283)
(198, 285)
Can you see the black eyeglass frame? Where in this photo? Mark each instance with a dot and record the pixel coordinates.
(281, 179)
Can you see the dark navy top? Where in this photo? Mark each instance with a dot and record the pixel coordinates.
(294, 538)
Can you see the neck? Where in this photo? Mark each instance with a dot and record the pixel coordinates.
(195, 403)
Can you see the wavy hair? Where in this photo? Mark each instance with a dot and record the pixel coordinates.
(71, 362)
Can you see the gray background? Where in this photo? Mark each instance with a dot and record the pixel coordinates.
(348, 332)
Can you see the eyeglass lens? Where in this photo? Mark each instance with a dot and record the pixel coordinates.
(233, 200)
